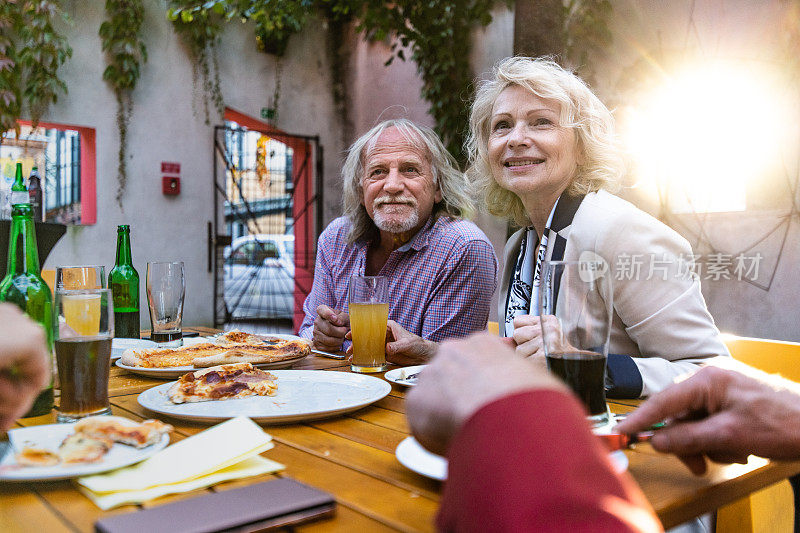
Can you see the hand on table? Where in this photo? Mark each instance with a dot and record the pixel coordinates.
(464, 376)
(724, 415)
(528, 337)
(24, 363)
(405, 348)
(330, 328)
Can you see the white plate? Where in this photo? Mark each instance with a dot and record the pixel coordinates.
(302, 395)
(398, 375)
(413, 456)
(177, 371)
(120, 345)
(50, 437)
(161, 373)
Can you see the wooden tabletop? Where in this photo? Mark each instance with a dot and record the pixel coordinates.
(352, 457)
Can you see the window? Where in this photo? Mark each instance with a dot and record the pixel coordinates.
(65, 158)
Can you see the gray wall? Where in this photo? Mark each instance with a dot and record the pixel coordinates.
(168, 125)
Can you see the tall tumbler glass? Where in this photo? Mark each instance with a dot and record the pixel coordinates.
(81, 310)
(80, 277)
(165, 291)
(369, 310)
(575, 306)
(83, 351)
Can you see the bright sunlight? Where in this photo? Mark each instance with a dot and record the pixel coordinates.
(701, 136)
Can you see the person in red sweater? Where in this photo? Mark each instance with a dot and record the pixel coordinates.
(521, 453)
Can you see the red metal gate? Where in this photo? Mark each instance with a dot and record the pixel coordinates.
(268, 195)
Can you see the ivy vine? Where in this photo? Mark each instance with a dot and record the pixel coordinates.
(437, 33)
(124, 54)
(10, 74)
(586, 32)
(199, 25)
(439, 36)
(31, 51)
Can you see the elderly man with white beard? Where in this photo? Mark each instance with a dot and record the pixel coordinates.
(405, 206)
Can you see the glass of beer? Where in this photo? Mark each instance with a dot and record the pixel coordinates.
(575, 306)
(165, 291)
(369, 309)
(83, 351)
(80, 277)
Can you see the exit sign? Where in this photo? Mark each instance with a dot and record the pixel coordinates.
(268, 112)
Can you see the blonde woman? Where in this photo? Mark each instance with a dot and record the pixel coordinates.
(542, 146)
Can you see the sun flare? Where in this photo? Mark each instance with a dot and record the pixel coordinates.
(702, 135)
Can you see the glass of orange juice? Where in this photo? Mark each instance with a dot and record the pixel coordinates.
(369, 310)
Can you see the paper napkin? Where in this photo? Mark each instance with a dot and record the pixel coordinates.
(226, 451)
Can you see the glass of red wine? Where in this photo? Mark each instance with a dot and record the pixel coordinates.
(575, 306)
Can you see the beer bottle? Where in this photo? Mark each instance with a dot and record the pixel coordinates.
(19, 193)
(124, 282)
(24, 286)
(35, 194)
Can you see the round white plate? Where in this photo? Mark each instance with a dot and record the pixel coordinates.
(50, 437)
(177, 371)
(413, 456)
(302, 395)
(398, 375)
(161, 373)
(120, 345)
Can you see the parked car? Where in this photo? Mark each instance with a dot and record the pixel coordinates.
(259, 277)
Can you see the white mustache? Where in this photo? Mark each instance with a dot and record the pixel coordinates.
(393, 200)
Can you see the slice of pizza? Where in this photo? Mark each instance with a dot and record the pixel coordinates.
(78, 448)
(35, 456)
(124, 430)
(235, 336)
(168, 357)
(281, 350)
(223, 382)
(241, 347)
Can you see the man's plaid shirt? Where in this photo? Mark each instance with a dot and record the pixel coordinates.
(441, 282)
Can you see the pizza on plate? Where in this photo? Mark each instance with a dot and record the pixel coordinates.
(223, 382)
(124, 430)
(232, 347)
(93, 437)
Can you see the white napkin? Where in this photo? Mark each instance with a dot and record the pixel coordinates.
(223, 452)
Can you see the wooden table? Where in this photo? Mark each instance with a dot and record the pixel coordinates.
(352, 457)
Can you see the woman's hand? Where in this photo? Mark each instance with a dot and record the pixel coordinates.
(528, 337)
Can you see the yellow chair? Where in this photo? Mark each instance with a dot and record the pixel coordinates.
(770, 510)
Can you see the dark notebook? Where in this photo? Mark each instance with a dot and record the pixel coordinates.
(258, 507)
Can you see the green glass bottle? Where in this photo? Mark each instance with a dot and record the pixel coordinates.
(124, 282)
(24, 286)
(19, 193)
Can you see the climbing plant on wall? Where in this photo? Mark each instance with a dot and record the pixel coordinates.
(199, 25)
(437, 34)
(125, 52)
(31, 51)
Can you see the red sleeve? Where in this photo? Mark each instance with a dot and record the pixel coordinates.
(528, 462)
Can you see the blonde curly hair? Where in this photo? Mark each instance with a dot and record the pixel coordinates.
(602, 166)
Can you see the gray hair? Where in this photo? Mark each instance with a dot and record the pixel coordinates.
(457, 200)
(603, 165)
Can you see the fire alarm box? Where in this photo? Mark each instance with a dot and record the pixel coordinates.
(171, 185)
